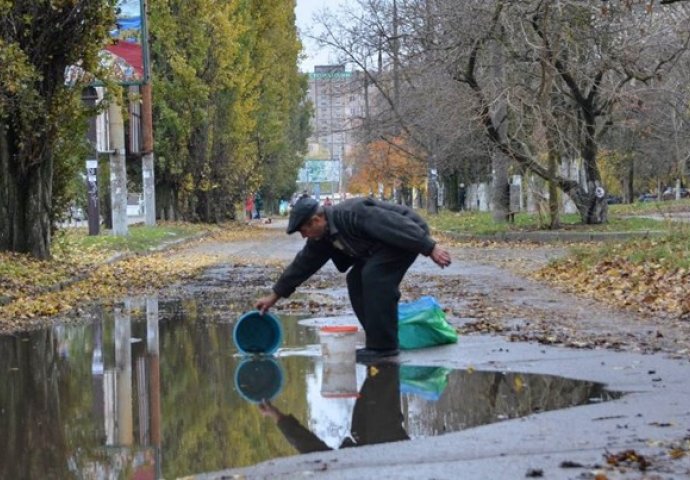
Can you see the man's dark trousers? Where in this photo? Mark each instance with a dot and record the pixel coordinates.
(373, 285)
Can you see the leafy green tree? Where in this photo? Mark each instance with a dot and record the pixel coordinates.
(39, 113)
(283, 116)
(229, 107)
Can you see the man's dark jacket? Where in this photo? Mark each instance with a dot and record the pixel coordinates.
(356, 229)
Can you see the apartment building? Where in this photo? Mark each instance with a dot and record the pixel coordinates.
(338, 101)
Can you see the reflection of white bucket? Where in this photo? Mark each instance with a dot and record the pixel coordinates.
(339, 380)
(338, 345)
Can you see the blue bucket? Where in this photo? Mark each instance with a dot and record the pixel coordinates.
(259, 379)
(256, 334)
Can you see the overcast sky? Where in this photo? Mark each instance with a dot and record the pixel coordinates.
(304, 11)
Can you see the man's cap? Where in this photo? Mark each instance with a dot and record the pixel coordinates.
(303, 210)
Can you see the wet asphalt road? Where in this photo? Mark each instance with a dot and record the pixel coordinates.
(652, 419)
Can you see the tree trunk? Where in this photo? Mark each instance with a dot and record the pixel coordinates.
(6, 231)
(432, 196)
(406, 192)
(592, 204)
(25, 200)
(203, 211)
(451, 197)
(431, 189)
(554, 221)
(165, 201)
(500, 194)
(629, 181)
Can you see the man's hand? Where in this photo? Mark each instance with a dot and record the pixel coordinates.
(263, 304)
(268, 410)
(440, 256)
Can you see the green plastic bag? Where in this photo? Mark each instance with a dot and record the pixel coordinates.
(426, 382)
(422, 323)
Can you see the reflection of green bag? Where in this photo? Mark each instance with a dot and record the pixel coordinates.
(422, 323)
(426, 382)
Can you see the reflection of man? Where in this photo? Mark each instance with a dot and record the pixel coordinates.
(376, 418)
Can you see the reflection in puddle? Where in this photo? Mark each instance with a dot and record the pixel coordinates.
(150, 394)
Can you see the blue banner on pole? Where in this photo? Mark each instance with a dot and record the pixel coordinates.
(126, 54)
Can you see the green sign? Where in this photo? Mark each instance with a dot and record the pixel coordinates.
(330, 75)
(315, 171)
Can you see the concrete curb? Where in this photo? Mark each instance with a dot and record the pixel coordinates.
(555, 236)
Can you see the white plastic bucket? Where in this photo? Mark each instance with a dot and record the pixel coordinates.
(338, 343)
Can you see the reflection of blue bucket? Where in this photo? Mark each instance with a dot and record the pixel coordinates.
(259, 379)
(257, 334)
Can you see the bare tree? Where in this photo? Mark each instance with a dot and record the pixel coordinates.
(406, 94)
(547, 79)
(567, 66)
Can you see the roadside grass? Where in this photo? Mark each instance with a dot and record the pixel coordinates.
(481, 223)
(642, 208)
(140, 239)
(670, 251)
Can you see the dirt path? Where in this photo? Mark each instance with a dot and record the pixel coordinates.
(486, 290)
(501, 297)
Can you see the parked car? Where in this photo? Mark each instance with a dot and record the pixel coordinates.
(613, 200)
(647, 197)
(670, 193)
(76, 213)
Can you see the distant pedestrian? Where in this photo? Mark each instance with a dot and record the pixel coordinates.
(462, 196)
(283, 207)
(327, 202)
(258, 205)
(249, 206)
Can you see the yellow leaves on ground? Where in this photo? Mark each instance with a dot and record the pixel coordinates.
(79, 275)
(627, 458)
(658, 287)
(106, 283)
(240, 234)
(21, 275)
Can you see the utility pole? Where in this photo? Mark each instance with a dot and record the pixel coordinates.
(147, 170)
(118, 172)
(90, 97)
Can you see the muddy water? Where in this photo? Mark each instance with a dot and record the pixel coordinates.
(152, 389)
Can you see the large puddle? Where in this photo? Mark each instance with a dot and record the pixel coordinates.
(154, 390)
